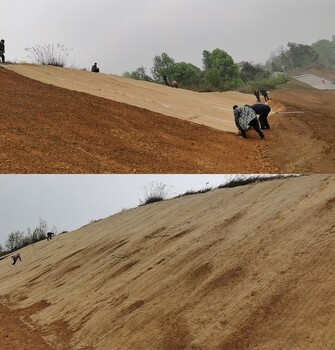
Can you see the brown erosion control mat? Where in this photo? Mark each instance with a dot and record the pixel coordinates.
(250, 267)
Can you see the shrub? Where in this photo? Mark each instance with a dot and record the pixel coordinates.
(264, 83)
(49, 54)
(155, 192)
(242, 180)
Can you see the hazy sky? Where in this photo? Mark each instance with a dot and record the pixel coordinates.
(71, 201)
(122, 35)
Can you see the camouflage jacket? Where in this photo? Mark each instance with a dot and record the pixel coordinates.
(243, 116)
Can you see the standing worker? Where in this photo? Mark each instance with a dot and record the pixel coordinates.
(245, 117)
(263, 110)
(2, 50)
(256, 93)
(265, 95)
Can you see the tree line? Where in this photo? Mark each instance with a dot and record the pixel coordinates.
(320, 54)
(221, 73)
(20, 239)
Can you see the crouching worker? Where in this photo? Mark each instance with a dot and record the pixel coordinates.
(263, 110)
(16, 257)
(49, 235)
(95, 68)
(245, 117)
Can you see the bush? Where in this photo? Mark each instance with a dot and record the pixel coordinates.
(242, 180)
(266, 83)
(49, 54)
(155, 192)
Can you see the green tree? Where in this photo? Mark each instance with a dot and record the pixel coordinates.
(163, 65)
(325, 50)
(278, 61)
(138, 74)
(295, 56)
(301, 55)
(187, 75)
(250, 72)
(220, 71)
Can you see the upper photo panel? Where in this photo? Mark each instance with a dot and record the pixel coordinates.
(167, 87)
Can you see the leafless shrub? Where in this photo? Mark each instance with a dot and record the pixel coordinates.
(49, 54)
(155, 192)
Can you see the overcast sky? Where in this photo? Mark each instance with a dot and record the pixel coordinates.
(71, 201)
(122, 35)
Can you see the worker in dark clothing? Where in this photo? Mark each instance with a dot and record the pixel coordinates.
(165, 80)
(95, 68)
(256, 93)
(2, 50)
(16, 257)
(263, 110)
(265, 95)
(244, 117)
(49, 235)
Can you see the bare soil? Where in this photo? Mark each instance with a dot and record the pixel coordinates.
(303, 142)
(17, 333)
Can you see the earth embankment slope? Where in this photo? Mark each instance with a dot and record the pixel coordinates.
(243, 268)
(48, 129)
(303, 138)
(211, 109)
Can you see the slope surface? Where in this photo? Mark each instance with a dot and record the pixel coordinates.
(243, 268)
(47, 129)
(211, 109)
(303, 133)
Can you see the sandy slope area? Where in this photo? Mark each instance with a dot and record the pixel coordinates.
(220, 270)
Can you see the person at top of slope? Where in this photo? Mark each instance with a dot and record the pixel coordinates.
(2, 50)
(95, 68)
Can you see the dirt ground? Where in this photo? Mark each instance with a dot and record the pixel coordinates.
(47, 129)
(15, 333)
(18, 331)
(303, 142)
